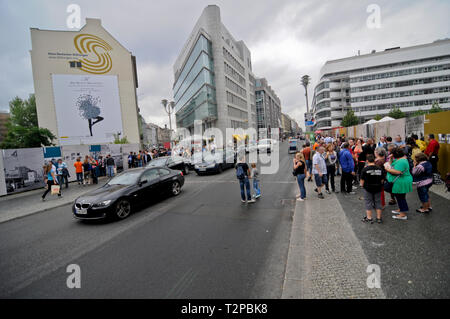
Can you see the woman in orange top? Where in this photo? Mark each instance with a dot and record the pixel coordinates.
(79, 170)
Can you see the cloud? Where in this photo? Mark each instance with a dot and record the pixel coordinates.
(287, 38)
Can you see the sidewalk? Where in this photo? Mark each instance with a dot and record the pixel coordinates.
(22, 204)
(325, 258)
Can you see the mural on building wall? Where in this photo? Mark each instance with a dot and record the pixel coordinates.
(23, 169)
(93, 45)
(87, 108)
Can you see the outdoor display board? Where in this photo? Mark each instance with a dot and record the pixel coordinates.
(70, 153)
(415, 125)
(2, 177)
(87, 108)
(23, 169)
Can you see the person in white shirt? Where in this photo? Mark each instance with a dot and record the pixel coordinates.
(319, 170)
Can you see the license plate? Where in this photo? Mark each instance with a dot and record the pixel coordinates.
(82, 211)
(202, 169)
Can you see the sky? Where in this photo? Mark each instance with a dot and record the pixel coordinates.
(287, 38)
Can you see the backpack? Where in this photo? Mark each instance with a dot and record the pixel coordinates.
(240, 172)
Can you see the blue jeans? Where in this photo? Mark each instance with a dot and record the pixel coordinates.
(309, 166)
(246, 183)
(110, 170)
(301, 185)
(256, 187)
(80, 178)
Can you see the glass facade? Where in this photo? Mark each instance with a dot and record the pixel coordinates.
(194, 89)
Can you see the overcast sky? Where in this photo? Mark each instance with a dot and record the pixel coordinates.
(287, 38)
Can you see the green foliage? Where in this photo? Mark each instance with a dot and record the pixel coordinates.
(435, 108)
(419, 112)
(23, 129)
(396, 113)
(377, 117)
(349, 119)
(118, 140)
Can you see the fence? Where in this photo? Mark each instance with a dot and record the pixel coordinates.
(436, 123)
(22, 169)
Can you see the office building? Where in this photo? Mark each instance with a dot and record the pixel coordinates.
(268, 107)
(410, 78)
(213, 79)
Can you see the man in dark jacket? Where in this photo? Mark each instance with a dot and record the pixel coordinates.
(348, 169)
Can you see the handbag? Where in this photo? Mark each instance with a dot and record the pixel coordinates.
(55, 189)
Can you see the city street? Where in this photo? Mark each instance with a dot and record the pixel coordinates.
(206, 244)
(202, 244)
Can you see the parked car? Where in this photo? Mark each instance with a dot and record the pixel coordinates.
(265, 145)
(216, 162)
(121, 194)
(172, 162)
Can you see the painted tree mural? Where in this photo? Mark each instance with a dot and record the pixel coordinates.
(88, 107)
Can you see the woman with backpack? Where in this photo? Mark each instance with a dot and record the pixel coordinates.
(400, 181)
(242, 174)
(423, 176)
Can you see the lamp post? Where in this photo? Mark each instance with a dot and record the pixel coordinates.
(169, 107)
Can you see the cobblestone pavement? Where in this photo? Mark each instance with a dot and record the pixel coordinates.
(325, 258)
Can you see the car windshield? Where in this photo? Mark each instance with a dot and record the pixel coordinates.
(158, 162)
(126, 178)
(265, 141)
(208, 157)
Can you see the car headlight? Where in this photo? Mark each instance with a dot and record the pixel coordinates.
(212, 165)
(102, 204)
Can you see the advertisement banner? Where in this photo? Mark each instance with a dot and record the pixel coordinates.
(415, 125)
(23, 169)
(87, 108)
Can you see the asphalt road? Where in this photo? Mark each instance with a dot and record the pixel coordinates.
(202, 244)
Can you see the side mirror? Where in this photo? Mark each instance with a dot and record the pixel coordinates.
(142, 182)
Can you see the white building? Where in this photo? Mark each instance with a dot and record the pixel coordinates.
(411, 78)
(85, 84)
(268, 106)
(213, 78)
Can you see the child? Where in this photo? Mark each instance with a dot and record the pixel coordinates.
(423, 176)
(254, 174)
(372, 180)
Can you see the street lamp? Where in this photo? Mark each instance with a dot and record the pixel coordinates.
(169, 108)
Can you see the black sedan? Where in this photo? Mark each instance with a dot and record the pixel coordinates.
(215, 162)
(122, 193)
(172, 162)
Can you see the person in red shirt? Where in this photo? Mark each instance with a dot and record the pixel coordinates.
(307, 155)
(432, 152)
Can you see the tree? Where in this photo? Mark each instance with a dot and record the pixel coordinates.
(435, 108)
(349, 119)
(118, 140)
(396, 113)
(377, 117)
(305, 82)
(23, 130)
(419, 112)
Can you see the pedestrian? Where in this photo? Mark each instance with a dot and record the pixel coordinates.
(413, 149)
(380, 159)
(423, 176)
(130, 160)
(306, 151)
(254, 175)
(110, 165)
(372, 180)
(388, 187)
(62, 173)
(101, 165)
(242, 174)
(382, 142)
(319, 171)
(330, 157)
(348, 169)
(300, 171)
(94, 170)
(399, 176)
(79, 170)
(86, 170)
(359, 157)
(432, 152)
(399, 142)
(50, 179)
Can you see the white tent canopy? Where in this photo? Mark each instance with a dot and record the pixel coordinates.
(386, 119)
(372, 121)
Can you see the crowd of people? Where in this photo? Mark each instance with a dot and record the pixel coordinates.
(389, 166)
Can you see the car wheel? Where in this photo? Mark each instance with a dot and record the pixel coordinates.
(123, 209)
(176, 188)
(220, 169)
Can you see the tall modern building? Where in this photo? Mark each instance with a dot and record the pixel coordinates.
(268, 106)
(411, 78)
(213, 78)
